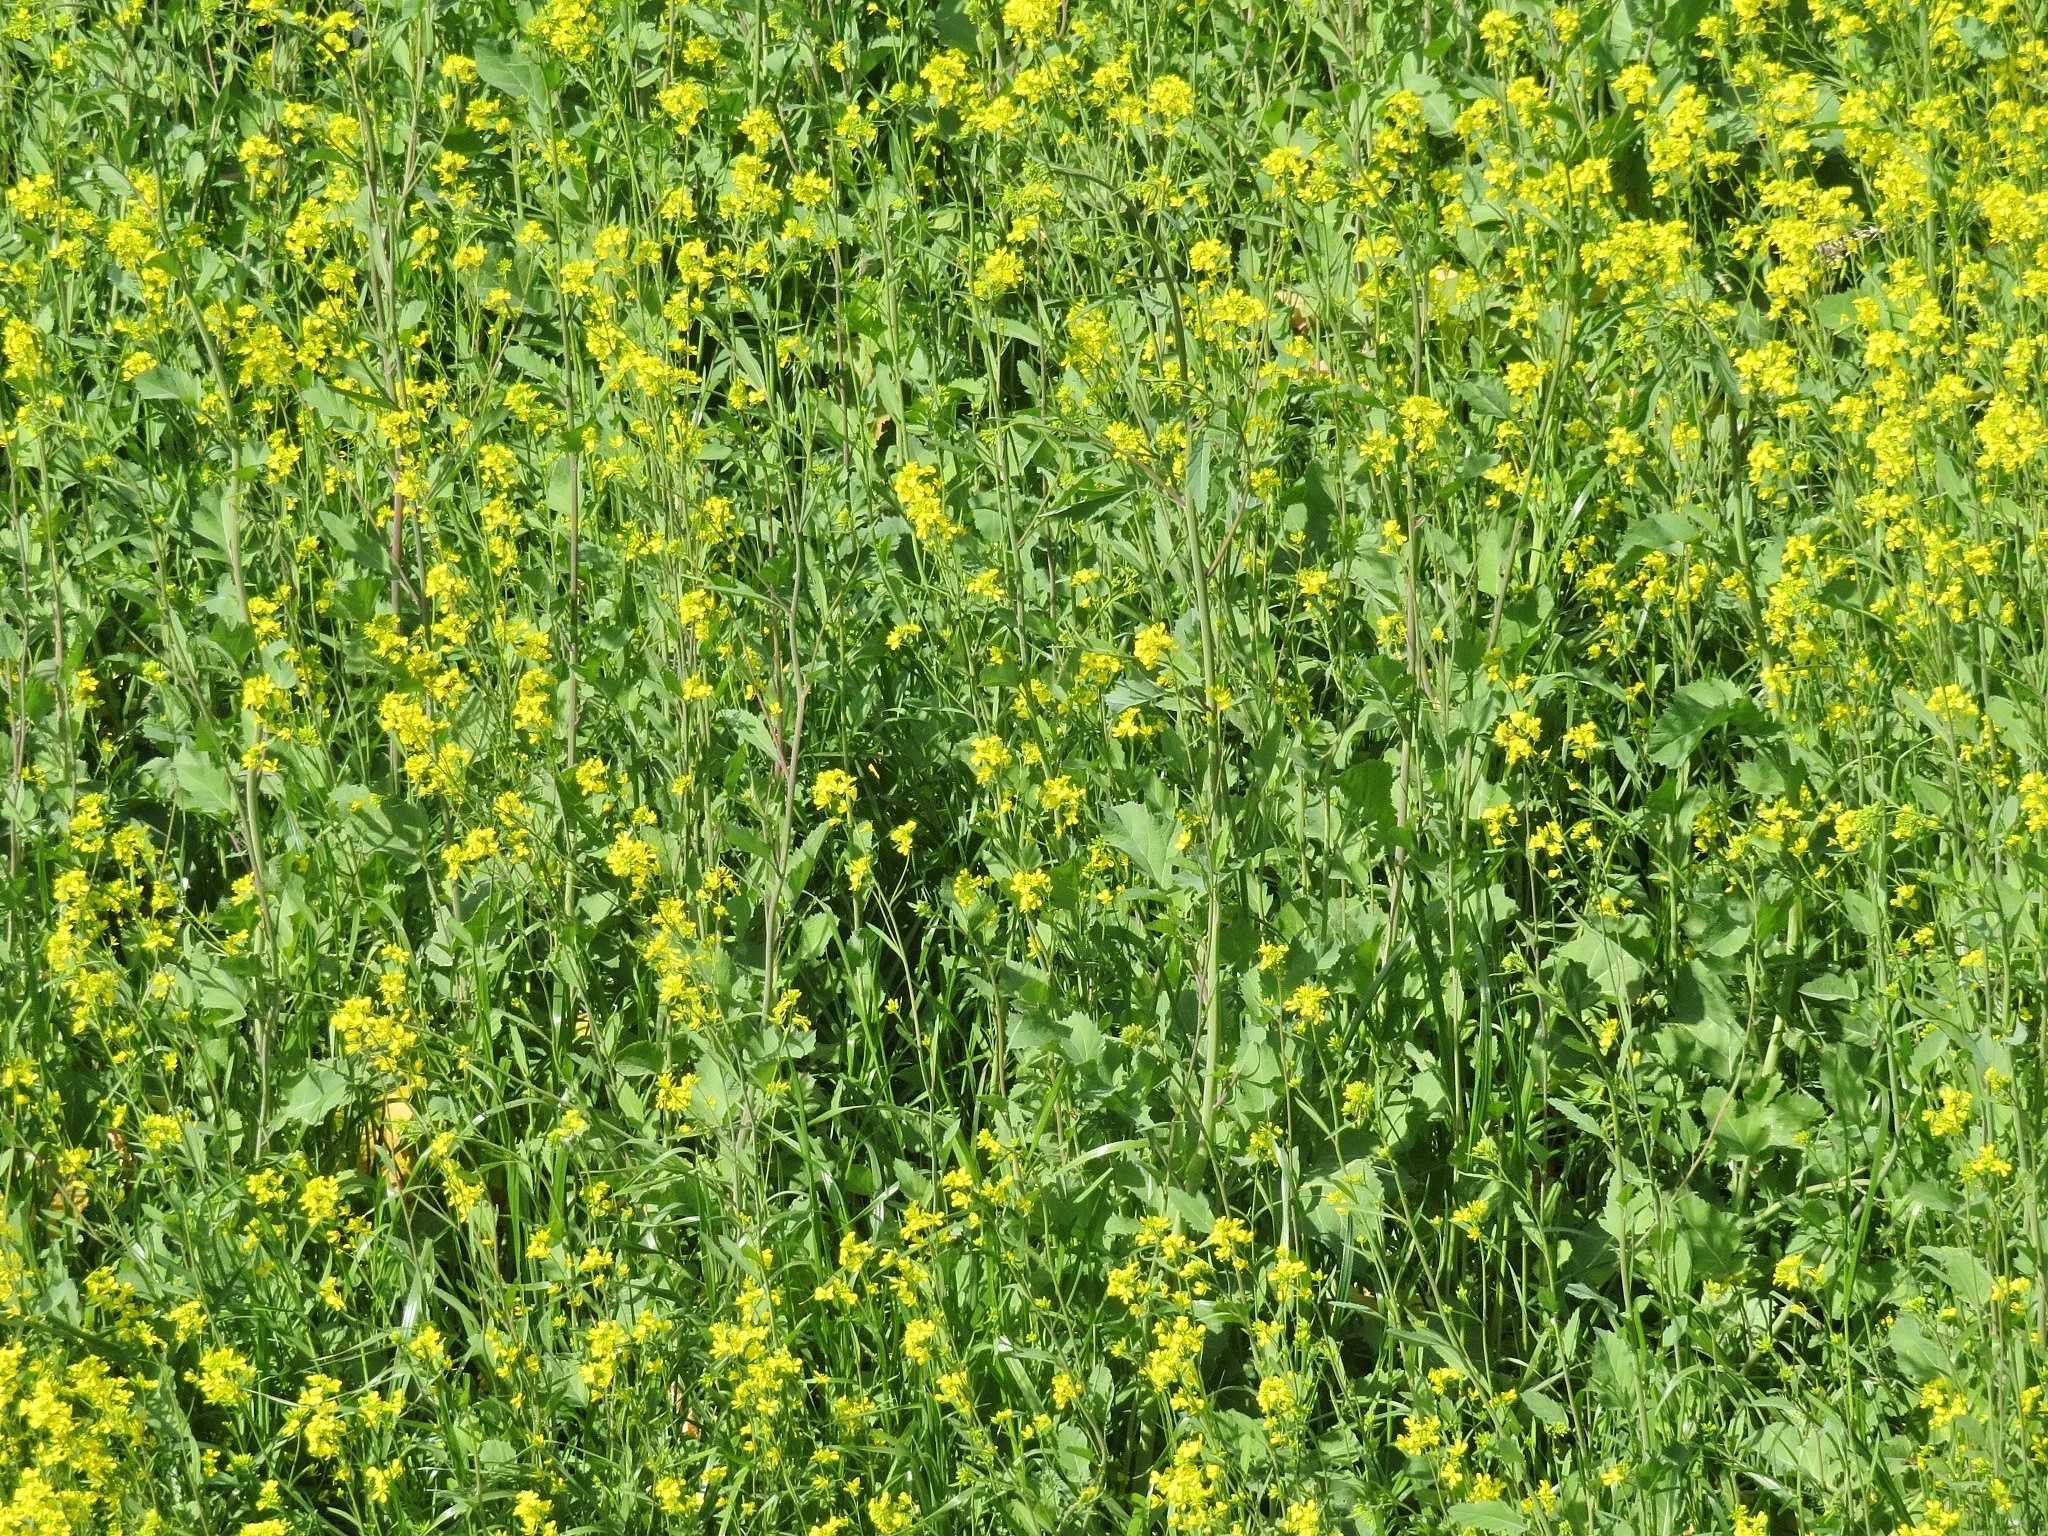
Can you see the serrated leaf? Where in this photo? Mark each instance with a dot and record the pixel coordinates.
(200, 784)
(504, 70)
(1147, 839)
(1696, 711)
(1542, 1407)
(166, 383)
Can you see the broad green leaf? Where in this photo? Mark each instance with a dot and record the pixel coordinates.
(1695, 711)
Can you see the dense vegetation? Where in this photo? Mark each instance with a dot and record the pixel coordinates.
(1208, 768)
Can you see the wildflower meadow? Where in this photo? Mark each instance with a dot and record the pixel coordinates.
(1023, 767)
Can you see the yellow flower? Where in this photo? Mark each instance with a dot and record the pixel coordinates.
(1419, 1436)
(1986, 1163)
(833, 790)
(1002, 270)
(1030, 21)
(317, 1418)
(1951, 1114)
(320, 1200)
(531, 1511)
(1153, 645)
(988, 756)
(224, 1377)
(891, 1513)
(1467, 1217)
(1792, 1273)
(1028, 888)
(1309, 1002)
(1304, 1517)
(1517, 734)
(1170, 99)
(1062, 799)
(917, 488)
(634, 860)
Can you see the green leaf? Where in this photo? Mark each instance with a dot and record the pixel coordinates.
(1610, 964)
(1830, 987)
(1802, 1446)
(1698, 996)
(200, 784)
(1351, 1199)
(166, 383)
(1713, 1239)
(803, 861)
(1695, 711)
(1542, 1407)
(503, 70)
(316, 1095)
(1488, 1515)
(380, 825)
(1366, 789)
(1148, 840)
(1968, 1277)
(1916, 1350)
(1080, 1039)
(753, 730)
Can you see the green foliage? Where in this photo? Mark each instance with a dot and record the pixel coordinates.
(1023, 768)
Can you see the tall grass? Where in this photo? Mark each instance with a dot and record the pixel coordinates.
(1119, 767)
